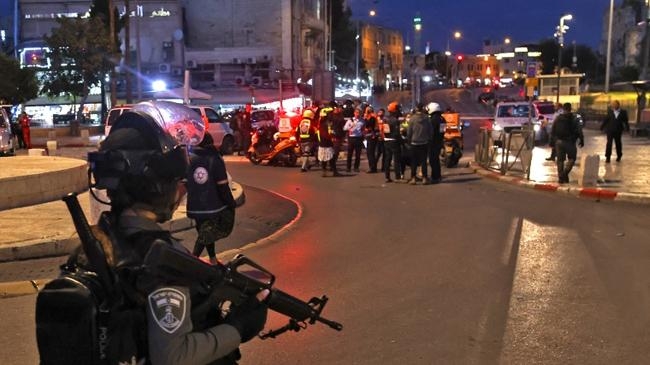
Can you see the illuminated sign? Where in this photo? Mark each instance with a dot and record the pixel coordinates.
(34, 57)
(160, 13)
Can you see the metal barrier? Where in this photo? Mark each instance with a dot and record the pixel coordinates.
(506, 152)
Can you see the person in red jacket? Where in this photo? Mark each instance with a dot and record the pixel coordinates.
(23, 121)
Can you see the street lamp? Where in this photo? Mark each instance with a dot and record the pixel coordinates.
(561, 29)
(646, 50)
(456, 35)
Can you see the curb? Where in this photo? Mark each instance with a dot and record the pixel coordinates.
(597, 194)
(60, 246)
(26, 287)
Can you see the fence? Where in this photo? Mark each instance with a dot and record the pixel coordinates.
(506, 151)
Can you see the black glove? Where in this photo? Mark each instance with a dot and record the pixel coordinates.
(581, 144)
(248, 318)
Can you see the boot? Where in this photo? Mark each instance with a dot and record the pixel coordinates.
(560, 171)
(567, 169)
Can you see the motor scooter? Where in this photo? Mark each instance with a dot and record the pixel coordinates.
(453, 145)
(266, 145)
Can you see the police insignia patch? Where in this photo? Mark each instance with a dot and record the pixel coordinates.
(168, 308)
(200, 175)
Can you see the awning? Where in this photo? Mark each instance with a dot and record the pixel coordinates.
(178, 93)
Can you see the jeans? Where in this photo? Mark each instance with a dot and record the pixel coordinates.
(355, 144)
(419, 159)
(392, 152)
(371, 151)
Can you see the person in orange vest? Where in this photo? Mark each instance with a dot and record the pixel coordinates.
(24, 127)
(307, 137)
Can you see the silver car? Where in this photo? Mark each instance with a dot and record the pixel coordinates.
(6, 141)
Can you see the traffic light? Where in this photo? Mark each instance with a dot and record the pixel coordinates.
(459, 58)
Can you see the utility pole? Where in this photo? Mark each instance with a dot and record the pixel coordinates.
(646, 48)
(111, 21)
(127, 51)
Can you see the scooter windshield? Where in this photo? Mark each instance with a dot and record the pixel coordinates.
(182, 123)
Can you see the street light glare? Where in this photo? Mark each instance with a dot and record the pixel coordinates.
(457, 35)
(372, 13)
(567, 17)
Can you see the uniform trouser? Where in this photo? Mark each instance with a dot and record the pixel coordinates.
(565, 150)
(212, 229)
(380, 153)
(371, 151)
(355, 145)
(337, 150)
(419, 159)
(434, 160)
(616, 138)
(392, 152)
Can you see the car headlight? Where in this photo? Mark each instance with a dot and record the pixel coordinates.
(536, 127)
(497, 127)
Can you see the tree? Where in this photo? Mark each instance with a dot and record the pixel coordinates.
(77, 50)
(17, 85)
(343, 39)
(587, 61)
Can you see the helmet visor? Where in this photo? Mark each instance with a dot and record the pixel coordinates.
(183, 124)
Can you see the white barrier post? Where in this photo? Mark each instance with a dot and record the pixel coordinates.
(588, 174)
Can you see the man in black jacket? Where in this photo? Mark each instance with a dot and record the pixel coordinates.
(565, 132)
(439, 127)
(392, 141)
(614, 124)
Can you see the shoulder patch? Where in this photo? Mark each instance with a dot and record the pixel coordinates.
(200, 175)
(167, 306)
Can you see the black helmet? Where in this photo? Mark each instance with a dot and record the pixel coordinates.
(145, 157)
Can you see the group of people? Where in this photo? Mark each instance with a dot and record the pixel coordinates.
(390, 138)
(566, 131)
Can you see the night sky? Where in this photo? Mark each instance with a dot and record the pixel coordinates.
(522, 21)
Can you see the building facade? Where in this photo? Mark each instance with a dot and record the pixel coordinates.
(382, 52)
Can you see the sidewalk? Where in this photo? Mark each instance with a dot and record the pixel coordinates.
(628, 180)
(46, 229)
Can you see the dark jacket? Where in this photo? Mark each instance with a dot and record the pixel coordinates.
(207, 168)
(420, 130)
(393, 127)
(567, 128)
(613, 125)
(439, 126)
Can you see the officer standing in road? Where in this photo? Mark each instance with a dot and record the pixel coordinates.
(565, 132)
(437, 141)
(209, 198)
(143, 166)
(418, 135)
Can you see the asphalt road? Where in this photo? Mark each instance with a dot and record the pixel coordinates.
(469, 271)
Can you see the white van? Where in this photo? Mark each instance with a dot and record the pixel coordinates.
(512, 115)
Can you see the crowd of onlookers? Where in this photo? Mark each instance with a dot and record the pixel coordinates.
(392, 140)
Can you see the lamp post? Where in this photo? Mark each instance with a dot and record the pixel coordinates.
(456, 35)
(356, 63)
(609, 44)
(561, 29)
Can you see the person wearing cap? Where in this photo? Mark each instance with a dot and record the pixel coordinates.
(143, 164)
(392, 142)
(209, 198)
(371, 135)
(565, 132)
(326, 141)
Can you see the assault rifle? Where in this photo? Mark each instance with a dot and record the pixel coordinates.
(235, 281)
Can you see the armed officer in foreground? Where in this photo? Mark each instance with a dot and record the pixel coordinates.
(132, 294)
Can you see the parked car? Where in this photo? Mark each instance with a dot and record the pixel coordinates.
(218, 127)
(263, 117)
(112, 116)
(6, 141)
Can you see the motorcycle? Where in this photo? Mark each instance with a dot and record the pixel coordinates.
(453, 146)
(266, 145)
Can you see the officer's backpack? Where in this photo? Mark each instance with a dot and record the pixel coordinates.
(81, 321)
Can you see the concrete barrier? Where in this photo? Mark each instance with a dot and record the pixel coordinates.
(51, 148)
(588, 173)
(36, 152)
(85, 137)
